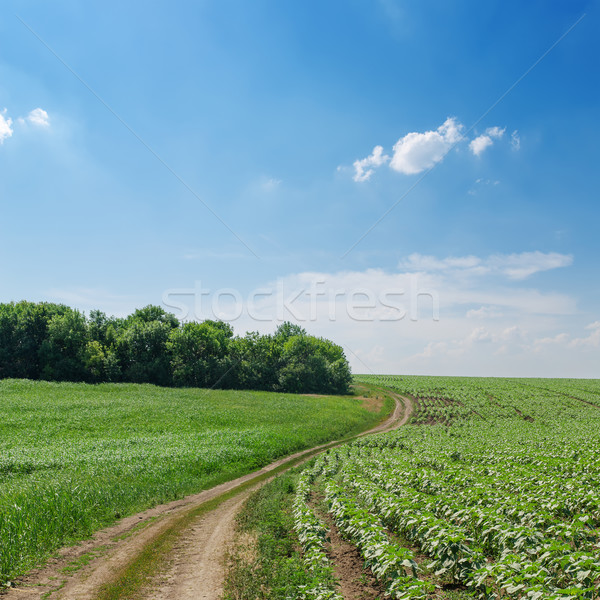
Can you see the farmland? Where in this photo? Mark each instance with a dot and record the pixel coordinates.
(492, 491)
(75, 457)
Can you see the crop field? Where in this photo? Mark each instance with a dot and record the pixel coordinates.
(74, 457)
(492, 491)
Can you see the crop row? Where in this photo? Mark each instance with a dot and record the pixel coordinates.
(313, 535)
(545, 565)
(392, 564)
(496, 481)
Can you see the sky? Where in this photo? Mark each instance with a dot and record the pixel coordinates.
(416, 181)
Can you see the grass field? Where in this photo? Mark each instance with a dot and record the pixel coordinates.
(490, 492)
(75, 457)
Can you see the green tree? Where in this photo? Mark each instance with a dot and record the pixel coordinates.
(314, 365)
(200, 354)
(142, 352)
(53, 341)
(152, 313)
(101, 363)
(62, 353)
(23, 328)
(259, 361)
(287, 330)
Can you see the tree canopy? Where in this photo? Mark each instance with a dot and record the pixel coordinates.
(59, 343)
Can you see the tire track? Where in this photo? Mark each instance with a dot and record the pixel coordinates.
(195, 563)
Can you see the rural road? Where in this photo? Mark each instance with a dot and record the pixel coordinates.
(195, 561)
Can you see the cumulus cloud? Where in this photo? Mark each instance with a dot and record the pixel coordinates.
(513, 266)
(6, 129)
(481, 142)
(590, 341)
(39, 117)
(495, 132)
(478, 335)
(364, 168)
(565, 342)
(416, 152)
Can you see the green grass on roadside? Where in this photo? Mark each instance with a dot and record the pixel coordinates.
(272, 569)
(75, 457)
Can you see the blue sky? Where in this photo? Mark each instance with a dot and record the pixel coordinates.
(250, 146)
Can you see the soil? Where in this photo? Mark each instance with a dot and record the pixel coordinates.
(356, 582)
(195, 567)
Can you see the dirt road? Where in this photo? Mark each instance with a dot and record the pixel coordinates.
(197, 563)
(196, 539)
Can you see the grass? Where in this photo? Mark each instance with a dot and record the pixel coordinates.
(134, 576)
(83, 560)
(75, 457)
(273, 569)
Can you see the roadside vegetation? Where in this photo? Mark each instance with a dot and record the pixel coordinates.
(57, 343)
(490, 492)
(74, 457)
(267, 562)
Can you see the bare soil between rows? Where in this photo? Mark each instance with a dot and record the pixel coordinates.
(356, 581)
(195, 567)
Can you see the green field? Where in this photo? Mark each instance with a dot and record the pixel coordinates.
(74, 457)
(492, 491)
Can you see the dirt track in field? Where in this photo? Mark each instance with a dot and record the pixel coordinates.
(194, 567)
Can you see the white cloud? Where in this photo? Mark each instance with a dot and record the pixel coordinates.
(523, 265)
(558, 340)
(567, 344)
(365, 167)
(513, 266)
(481, 142)
(484, 312)
(479, 341)
(422, 262)
(495, 132)
(39, 117)
(416, 152)
(387, 320)
(6, 129)
(515, 140)
(479, 335)
(592, 340)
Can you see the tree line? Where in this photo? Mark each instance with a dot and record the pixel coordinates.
(58, 343)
